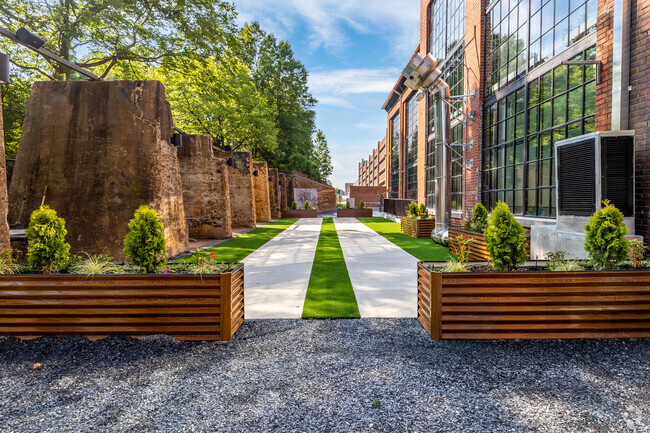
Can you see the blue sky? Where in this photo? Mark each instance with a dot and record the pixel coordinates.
(354, 51)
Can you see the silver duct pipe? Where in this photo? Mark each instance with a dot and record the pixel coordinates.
(442, 185)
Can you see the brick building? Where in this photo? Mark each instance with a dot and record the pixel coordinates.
(372, 171)
(523, 75)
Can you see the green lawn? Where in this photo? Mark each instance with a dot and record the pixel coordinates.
(330, 294)
(236, 249)
(423, 249)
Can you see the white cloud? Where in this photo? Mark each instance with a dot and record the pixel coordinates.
(335, 101)
(333, 87)
(328, 20)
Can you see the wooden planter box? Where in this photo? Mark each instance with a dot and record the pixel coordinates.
(186, 307)
(512, 305)
(420, 229)
(478, 250)
(353, 213)
(300, 213)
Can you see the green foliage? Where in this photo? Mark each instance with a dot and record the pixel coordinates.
(14, 106)
(557, 262)
(637, 250)
(362, 204)
(377, 404)
(454, 265)
(294, 205)
(306, 206)
(605, 241)
(46, 246)
(505, 239)
(8, 265)
(347, 204)
(94, 265)
(479, 219)
(413, 210)
(144, 245)
(423, 211)
(462, 247)
(322, 155)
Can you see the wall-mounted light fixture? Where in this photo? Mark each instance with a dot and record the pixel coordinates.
(176, 139)
(4, 69)
(29, 38)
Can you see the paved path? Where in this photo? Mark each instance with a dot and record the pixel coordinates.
(383, 275)
(277, 274)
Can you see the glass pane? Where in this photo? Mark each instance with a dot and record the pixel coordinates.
(559, 80)
(553, 207)
(519, 176)
(559, 110)
(500, 156)
(535, 26)
(521, 100)
(592, 13)
(575, 104)
(547, 45)
(531, 175)
(559, 134)
(546, 117)
(545, 145)
(545, 173)
(590, 98)
(500, 178)
(531, 202)
(519, 202)
(510, 176)
(546, 86)
(589, 126)
(519, 151)
(510, 198)
(510, 154)
(533, 93)
(561, 34)
(561, 10)
(547, 15)
(545, 202)
(533, 121)
(575, 73)
(519, 126)
(574, 129)
(532, 147)
(577, 24)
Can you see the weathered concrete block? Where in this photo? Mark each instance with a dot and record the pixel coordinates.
(274, 193)
(261, 192)
(206, 189)
(4, 226)
(102, 149)
(240, 179)
(326, 193)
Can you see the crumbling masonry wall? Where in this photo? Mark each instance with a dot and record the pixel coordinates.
(326, 193)
(261, 192)
(274, 193)
(240, 179)
(206, 189)
(101, 148)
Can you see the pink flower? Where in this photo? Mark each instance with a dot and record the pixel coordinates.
(164, 271)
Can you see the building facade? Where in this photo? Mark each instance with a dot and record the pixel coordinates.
(523, 75)
(372, 171)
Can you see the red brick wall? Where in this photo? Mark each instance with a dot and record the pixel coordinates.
(639, 119)
(368, 194)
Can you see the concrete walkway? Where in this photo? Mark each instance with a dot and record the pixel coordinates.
(277, 274)
(383, 275)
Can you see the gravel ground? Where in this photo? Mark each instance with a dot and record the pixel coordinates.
(382, 375)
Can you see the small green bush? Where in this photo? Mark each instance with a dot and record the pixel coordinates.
(557, 262)
(478, 222)
(362, 204)
(347, 204)
(423, 211)
(46, 245)
(605, 242)
(454, 265)
(294, 205)
(505, 239)
(306, 205)
(8, 265)
(94, 265)
(413, 210)
(144, 245)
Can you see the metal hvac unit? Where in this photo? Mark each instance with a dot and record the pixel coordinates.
(595, 167)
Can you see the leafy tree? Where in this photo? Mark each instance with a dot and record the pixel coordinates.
(322, 154)
(605, 241)
(14, 105)
(505, 239)
(100, 34)
(46, 245)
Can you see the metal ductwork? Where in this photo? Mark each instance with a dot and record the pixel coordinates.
(442, 185)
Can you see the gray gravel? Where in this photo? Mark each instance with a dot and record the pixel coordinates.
(325, 376)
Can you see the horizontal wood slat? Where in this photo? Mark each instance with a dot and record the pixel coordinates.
(415, 228)
(510, 305)
(186, 307)
(478, 250)
(353, 213)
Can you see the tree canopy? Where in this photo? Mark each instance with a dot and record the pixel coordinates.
(239, 84)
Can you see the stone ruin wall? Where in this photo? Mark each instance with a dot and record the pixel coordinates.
(326, 193)
(206, 189)
(240, 178)
(101, 148)
(261, 192)
(274, 193)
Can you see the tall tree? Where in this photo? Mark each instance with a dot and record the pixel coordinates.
(322, 154)
(100, 34)
(282, 79)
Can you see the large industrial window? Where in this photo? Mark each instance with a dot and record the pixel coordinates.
(522, 129)
(446, 27)
(412, 148)
(523, 34)
(394, 156)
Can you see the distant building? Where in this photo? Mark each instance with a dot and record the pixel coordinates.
(372, 172)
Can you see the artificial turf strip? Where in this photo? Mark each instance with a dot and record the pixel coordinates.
(236, 249)
(423, 249)
(329, 294)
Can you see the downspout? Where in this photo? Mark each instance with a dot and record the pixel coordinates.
(621, 64)
(442, 185)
